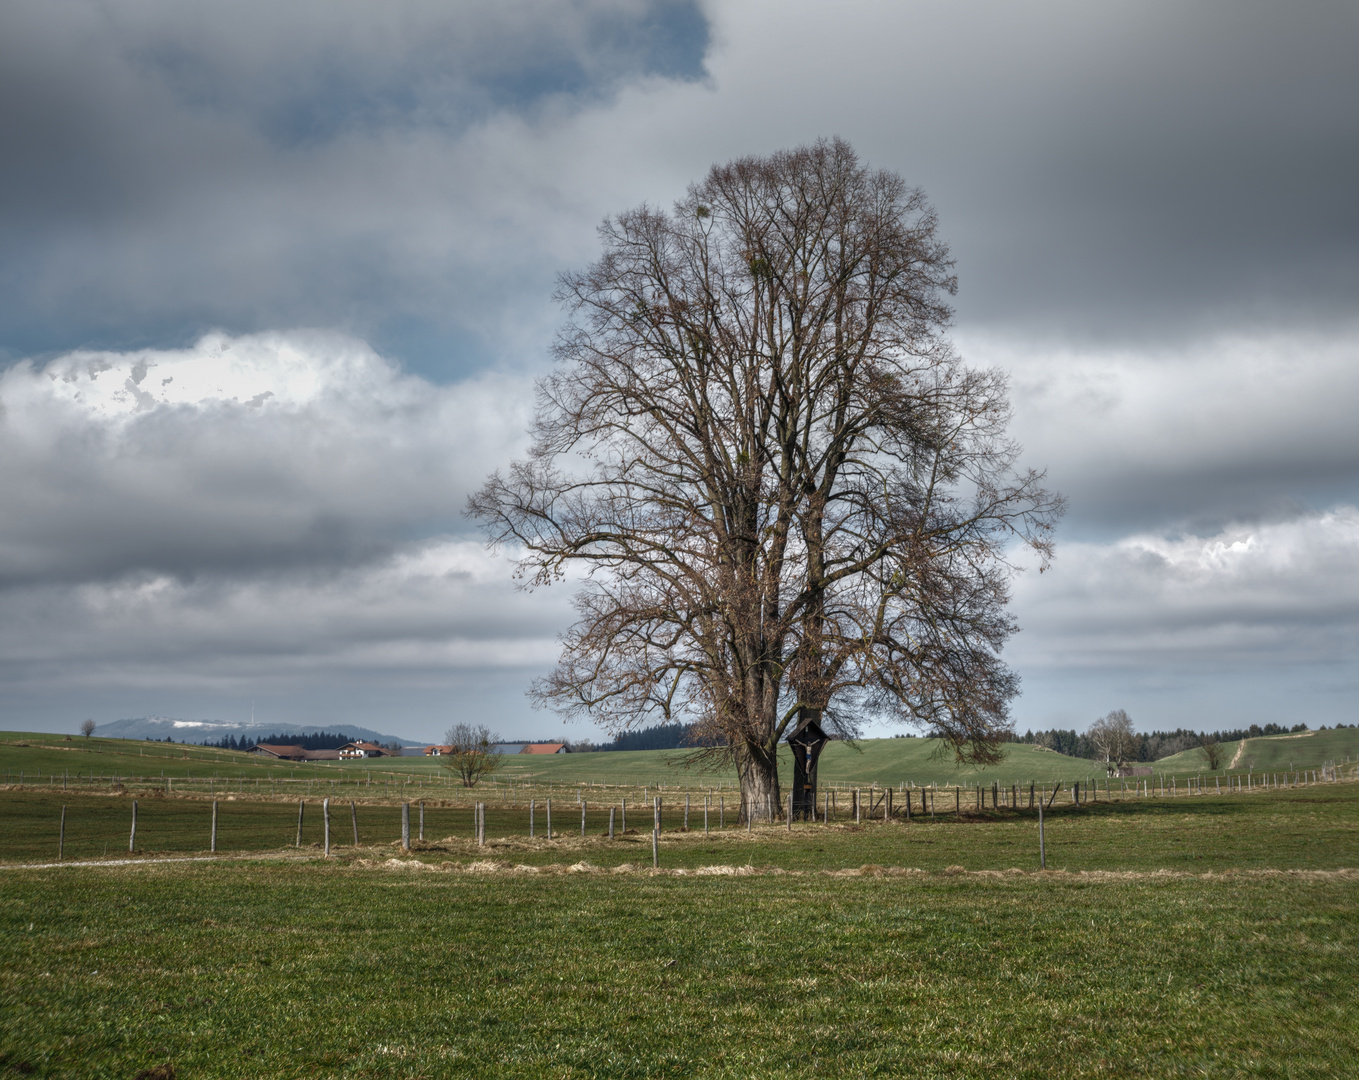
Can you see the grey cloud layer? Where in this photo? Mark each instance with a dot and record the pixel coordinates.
(1152, 206)
(1130, 170)
(169, 169)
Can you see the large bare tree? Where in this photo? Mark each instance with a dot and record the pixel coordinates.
(791, 498)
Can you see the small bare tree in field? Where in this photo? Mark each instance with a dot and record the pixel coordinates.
(1113, 738)
(87, 728)
(792, 500)
(472, 753)
(1212, 751)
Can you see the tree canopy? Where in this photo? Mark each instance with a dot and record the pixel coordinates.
(790, 497)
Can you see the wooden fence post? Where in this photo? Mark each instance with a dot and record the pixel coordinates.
(1042, 854)
(406, 826)
(325, 817)
(132, 837)
(61, 838)
(582, 819)
(656, 814)
(354, 819)
(301, 804)
(612, 810)
(213, 846)
(422, 821)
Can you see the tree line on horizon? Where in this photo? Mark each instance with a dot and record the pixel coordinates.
(1152, 745)
(317, 740)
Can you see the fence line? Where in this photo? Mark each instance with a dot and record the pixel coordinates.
(600, 820)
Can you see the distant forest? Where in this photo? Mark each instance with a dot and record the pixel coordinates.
(657, 737)
(318, 740)
(1150, 746)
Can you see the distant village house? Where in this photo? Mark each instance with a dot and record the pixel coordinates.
(362, 750)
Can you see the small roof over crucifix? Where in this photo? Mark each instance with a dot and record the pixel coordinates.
(808, 735)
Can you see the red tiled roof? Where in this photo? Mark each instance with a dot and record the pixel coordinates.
(543, 748)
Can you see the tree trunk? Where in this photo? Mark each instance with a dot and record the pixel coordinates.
(759, 774)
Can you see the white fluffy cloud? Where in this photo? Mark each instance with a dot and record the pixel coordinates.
(1227, 427)
(1273, 595)
(254, 514)
(235, 454)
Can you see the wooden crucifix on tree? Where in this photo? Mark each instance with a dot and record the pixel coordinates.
(807, 741)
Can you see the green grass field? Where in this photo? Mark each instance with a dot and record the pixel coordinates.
(872, 761)
(1209, 936)
(315, 969)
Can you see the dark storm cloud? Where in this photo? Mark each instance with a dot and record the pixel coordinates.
(1120, 170)
(1126, 171)
(1203, 176)
(169, 168)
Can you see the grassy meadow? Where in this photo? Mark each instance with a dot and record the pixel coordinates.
(376, 968)
(1194, 935)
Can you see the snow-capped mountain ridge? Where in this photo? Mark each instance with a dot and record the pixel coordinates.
(180, 730)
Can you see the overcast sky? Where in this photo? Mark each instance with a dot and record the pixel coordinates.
(275, 281)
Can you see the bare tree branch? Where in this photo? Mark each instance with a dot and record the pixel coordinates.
(792, 498)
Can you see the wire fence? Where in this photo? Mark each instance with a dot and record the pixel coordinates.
(96, 817)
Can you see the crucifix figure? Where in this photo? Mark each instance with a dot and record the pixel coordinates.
(807, 741)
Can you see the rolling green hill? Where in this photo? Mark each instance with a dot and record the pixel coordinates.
(871, 761)
(1274, 753)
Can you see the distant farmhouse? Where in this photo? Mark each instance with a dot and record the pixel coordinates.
(545, 748)
(292, 753)
(362, 750)
(347, 752)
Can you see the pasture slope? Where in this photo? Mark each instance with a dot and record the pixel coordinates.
(1274, 753)
(870, 761)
